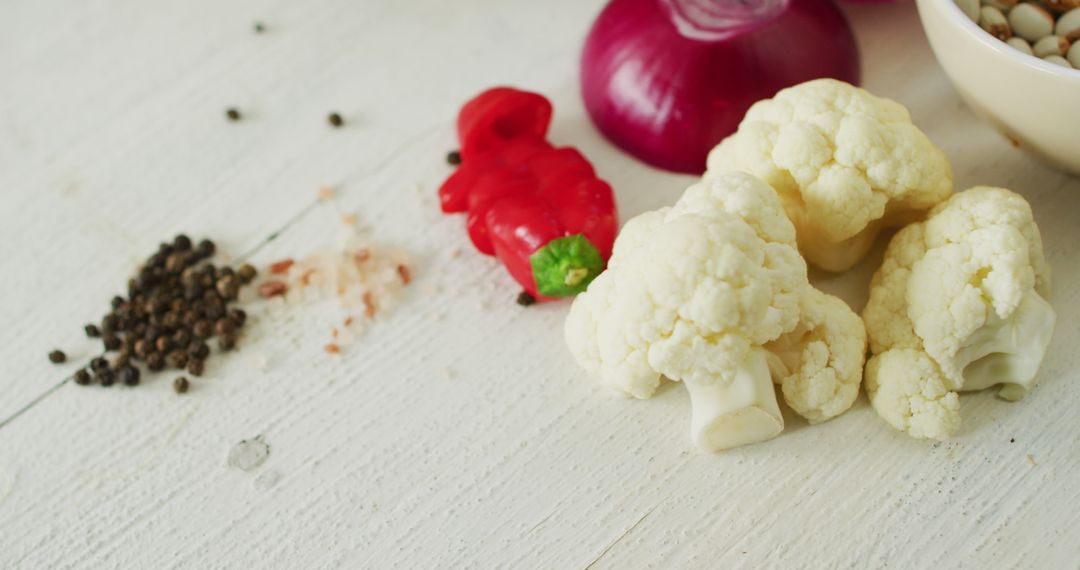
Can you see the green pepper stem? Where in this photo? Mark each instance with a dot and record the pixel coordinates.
(565, 266)
(575, 275)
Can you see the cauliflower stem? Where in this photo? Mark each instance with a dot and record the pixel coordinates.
(735, 413)
(1009, 351)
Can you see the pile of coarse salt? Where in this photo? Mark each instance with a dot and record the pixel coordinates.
(365, 278)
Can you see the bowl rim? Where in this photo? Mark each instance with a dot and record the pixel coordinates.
(981, 36)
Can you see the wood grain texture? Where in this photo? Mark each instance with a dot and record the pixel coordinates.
(457, 432)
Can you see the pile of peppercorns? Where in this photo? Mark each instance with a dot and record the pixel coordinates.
(176, 303)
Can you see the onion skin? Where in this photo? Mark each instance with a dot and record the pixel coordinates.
(668, 99)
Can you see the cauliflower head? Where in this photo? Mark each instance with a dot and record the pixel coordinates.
(959, 304)
(845, 163)
(698, 293)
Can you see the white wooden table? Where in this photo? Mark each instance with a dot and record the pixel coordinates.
(458, 432)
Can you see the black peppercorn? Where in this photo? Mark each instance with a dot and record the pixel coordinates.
(214, 310)
(198, 350)
(170, 320)
(176, 262)
(178, 359)
(181, 337)
(195, 367)
(121, 360)
(98, 364)
(181, 243)
(259, 27)
(232, 114)
(82, 377)
(108, 324)
(117, 302)
(92, 330)
(155, 362)
(180, 385)
(453, 158)
(111, 342)
(335, 120)
(525, 299)
(227, 287)
(189, 318)
(57, 356)
(202, 329)
(227, 341)
(246, 273)
(163, 344)
(142, 348)
(155, 307)
(129, 375)
(104, 377)
(224, 326)
(193, 291)
(238, 317)
(205, 249)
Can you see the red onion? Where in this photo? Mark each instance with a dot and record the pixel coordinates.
(666, 80)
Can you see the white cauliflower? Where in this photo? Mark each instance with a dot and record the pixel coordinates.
(846, 164)
(959, 304)
(819, 364)
(712, 292)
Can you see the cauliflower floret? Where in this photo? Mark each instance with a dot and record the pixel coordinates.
(696, 292)
(846, 164)
(819, 364)
(959, 304)
(915, 397)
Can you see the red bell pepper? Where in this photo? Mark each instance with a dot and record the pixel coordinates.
(499, 115)
(541, 210)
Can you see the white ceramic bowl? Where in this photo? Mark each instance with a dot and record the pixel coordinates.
(1036, 104)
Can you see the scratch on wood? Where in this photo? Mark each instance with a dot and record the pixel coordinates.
(37, 400)
(33, 403)
(542, 521)
(621, 536)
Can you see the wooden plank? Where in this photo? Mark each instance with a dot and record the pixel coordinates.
(458, 432)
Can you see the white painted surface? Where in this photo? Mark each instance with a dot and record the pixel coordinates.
(457, 432)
